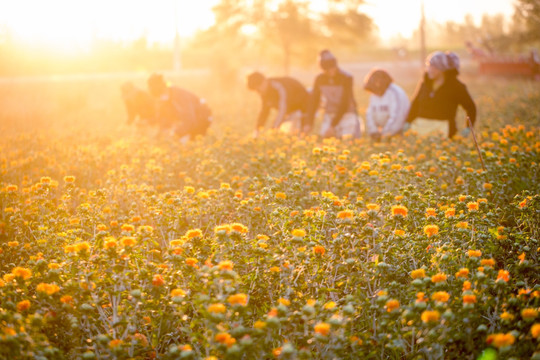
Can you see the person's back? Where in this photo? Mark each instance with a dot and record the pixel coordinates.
(297, 95)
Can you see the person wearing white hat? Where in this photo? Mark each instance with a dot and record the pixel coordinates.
(440, 93)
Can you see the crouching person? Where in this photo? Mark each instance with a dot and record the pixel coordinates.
(388, 106)
(178, 110)
(336, 87)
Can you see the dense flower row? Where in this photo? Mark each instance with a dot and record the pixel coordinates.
(277, 247)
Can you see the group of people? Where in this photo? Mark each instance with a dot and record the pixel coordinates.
(389, 113)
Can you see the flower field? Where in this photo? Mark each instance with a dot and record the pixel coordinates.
(280, 247)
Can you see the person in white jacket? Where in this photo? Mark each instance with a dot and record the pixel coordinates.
(388, 105)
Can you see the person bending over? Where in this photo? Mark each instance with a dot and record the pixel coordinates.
(285, 94)
(178, 110)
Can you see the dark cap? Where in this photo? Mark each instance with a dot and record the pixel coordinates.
(327, 60)
(377, 81)
(254, 80)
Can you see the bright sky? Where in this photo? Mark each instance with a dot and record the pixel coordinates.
(71, 24)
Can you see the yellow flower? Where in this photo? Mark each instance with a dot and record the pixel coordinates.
(399, 210)
(374, 207)
(450, 213)
(48, 289)
(178, 293)
(222, 228)
(217, 308)
(298, 233)
(53, 266)
(259, 324)
(239, 228)
(82, 246)
(110, 243)
(329, 305)
(322, 328)
(418, 273)
(191, 261)
(431, 230)
(225, 265)
(285, 302)
(281, 195)
(462, 225)
(69, 249)
(529, 314)
(399, 232)
(391, 305)
(189, 189)
(13, 243)
(430, 316)
(440, 296)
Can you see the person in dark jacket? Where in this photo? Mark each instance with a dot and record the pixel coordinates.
(139, 104)
(336, 86)
(179, 110)
(285, 94)
(439, 94)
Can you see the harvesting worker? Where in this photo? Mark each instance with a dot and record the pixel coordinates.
(439, 94)
(139, 105)
(179, 110)
(285, 94)
(388, 105)
(336, 87)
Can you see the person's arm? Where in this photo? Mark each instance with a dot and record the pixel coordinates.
(466, 101)
(314, 101)
(413, 110)
(397, 115)
(263, 116)
(282, 104)
(346, 99)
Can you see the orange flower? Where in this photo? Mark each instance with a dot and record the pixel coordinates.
(399, 210)
(391, 305)
(69, 179)
(374, 207)
(529, 314)
(23, 305)
(281, 195)
(487, 262)
(238, 299)
(109, 243)
(113, 344)
(345, 214)
(66, 299)
(128, 227)
(466, 285)
(128, 241)
(535, 330)
(431, 230)
(222, 337)
(437, 278)
(474, 253)
(440, 296)
(225, 265)
(21, 272)
(322, 328)
(469, 299)
(430, 316)
(431, 212)
(319, 250)
(502, 340)
(190, 234)
(503, 275)
(157, 280)
(82, 246)
(239, 228)
(191, 262)
(472, 206)
(450, 213)
(463, 272)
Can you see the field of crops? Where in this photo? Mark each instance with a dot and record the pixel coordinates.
(121, 246)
